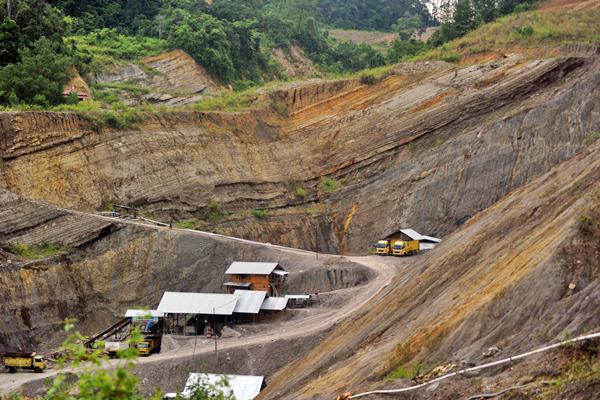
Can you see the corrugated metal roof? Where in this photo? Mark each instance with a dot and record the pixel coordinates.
(274, 304)
(238, 284)
(143, 314)
(249, 301)
(297, 296)
(253, 268)
(280, 272)
(242, 387)
(414, 235)
(197, 303)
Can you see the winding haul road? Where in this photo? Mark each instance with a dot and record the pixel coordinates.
(316, 320)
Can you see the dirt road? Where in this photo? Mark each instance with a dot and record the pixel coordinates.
(315, 320)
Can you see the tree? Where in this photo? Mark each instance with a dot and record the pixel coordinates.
(204, 38)
(464, 18)
(42, 71)
(409, 26)
(485, 10)
(9, 42)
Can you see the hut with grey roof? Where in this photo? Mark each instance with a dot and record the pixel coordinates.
(269, 277)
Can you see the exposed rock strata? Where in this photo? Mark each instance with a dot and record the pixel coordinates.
(106, 266)
(428, 150)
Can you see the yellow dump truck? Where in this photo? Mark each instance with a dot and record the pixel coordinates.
(150, 345)
(30, 361)
(405, 248)
(385, 247)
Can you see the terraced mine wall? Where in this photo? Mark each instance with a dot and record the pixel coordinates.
(426, 150)
(104, 266)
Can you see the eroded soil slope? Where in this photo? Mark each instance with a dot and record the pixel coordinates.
(519, 274)
(427, 147)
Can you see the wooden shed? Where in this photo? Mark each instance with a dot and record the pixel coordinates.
(263, 276)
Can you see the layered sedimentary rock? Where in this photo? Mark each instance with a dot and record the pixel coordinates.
(520, 274)
(427, 148)
(103, 266)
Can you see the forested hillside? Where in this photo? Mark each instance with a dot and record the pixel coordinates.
(233, 40)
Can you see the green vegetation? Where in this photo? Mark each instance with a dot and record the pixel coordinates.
(579, 370)
(232, 101)
(34, 61)
(406, 372)
(300, 191)
(526, 29)
(213, 213)
(34, 252)
(100, 380)
(260, 213)
(102, 49)
(591, 138)
(234, 40)
(330, 185)
(372, 14)
(186, 224)
(459, 17)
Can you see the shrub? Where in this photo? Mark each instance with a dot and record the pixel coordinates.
(591, 138)
(368, 79)
(186, 224)
(300, 191)
(213, 212)
(406, 372)
(452, 58)
(280, 109)
(329, 185)
(260, 213)
(34, 252)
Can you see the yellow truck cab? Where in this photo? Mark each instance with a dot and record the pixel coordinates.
(406, 248)
(150, 345)
(383, 248)
(31, 361)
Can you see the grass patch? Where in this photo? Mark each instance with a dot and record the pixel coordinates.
(530, 29)
(591, 138)
(34, 252)
(300, 191)
(406, 372)
(132, 88)
(186, 224)
(232, 101)
(260, 213)
(106, 47)
(213, 213)
(330, 185)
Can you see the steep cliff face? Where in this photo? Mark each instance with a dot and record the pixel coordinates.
(519, 274)
(104, 266)
(428, 148)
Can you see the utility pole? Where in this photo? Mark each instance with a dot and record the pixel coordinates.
(317, 240)
(215, 332)
(8, 9)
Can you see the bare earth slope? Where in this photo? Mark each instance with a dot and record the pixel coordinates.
(107, 266)
(502, 279)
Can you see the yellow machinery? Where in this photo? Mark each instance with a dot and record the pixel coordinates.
(150, 345)
(405, 248)
(31, 361)
(386, 247)
(383, 248)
